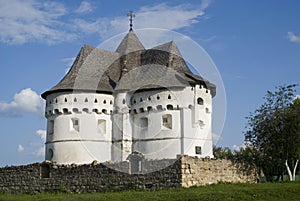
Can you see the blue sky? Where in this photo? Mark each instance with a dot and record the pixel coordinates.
(254, 44)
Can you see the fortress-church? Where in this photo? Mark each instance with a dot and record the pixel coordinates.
(134, 100)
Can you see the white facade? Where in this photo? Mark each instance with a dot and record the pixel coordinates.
(133, 100)
(83, 127)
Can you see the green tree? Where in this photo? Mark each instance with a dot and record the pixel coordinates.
(272, 132)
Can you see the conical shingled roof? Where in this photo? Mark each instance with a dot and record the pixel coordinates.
(130, 43)
(101, 71)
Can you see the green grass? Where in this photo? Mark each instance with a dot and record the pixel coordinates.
(224, 192)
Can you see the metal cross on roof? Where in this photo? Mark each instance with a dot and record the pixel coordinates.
(131, 15)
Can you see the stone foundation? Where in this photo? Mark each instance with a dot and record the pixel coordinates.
(184, 172)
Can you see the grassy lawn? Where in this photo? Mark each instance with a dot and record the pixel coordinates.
(224, 192)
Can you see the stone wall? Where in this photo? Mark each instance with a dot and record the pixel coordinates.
(197, 171)
(186, 171)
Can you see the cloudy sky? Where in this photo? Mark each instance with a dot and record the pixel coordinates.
(254, 44)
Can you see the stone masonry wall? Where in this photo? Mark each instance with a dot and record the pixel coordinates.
(186, 171)
(197, 171)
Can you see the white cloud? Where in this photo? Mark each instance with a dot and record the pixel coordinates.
(50, 22)
(24, 21)
(85, 7)
(39, 152)
(293, 37)
(20, 148)
(41, 134)
(174, 18)
(26, 100)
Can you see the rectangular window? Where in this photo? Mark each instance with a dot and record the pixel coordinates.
(198, 150)
(102, 126)
(144, 122)
(75, 124)
(167, 121)
(51, 127)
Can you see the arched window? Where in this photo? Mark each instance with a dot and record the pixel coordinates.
(170, 107)
(95, 101)
(104, 102)
(66, 100)
(104, 111)
(169, 96)
(65, 111)
(159, 107)
(144, 122)
(86, 100)
(123, 101)
(200, 101)
(75, 110)
(149, 108)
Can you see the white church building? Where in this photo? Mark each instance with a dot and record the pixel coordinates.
(112, 104)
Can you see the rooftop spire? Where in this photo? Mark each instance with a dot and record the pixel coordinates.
(131, 15)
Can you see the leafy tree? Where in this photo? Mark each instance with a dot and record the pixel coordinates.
(221, 153)
(272, 133)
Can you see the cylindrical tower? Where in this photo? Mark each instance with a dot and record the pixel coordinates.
(79, 127)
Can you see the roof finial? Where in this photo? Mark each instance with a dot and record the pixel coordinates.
(131, 15)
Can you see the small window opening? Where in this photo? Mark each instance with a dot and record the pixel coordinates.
(149, 108)
(198, 150)
(169, 96)
(75, 110)
(104, 102)
(56, 100)
(75, 99)
(200, 101)
(66, 100)
(123, 101)
(207, 110)
(170, 107)
(75, 124)
(157, 97)
(159, 107)
(95, 101)
(144, 122)
(167, 121)
(86, 100)
(141, 110)
(85, 110)
(65, 111)
(149, 98)
(102, 126)
(141, 99)
(104, 111)
(110, 102)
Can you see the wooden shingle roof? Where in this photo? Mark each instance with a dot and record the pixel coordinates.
(130, 67)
